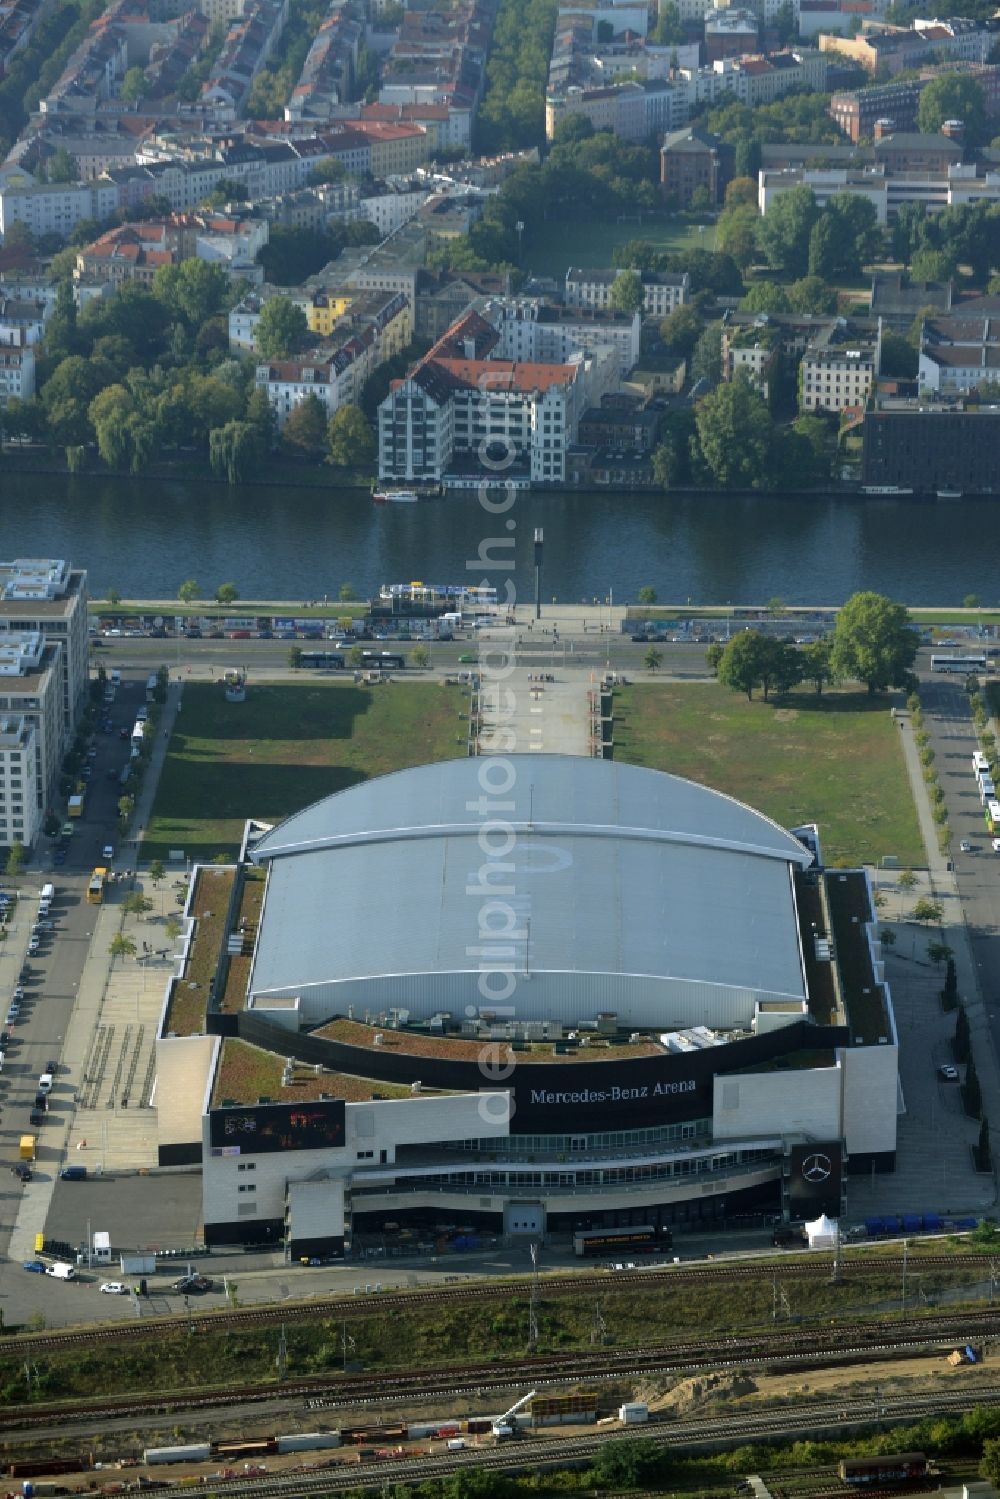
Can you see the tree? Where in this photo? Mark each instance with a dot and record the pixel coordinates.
(280, 328)
(189, 591)
(713, 655)
(899, 357)
(62, 167)
(972, 1096)
(172, 927)
(113, 597)
(349, 438)
(927, 910)
(766, 296)
(906, 880)
(305, 427)
(121, 946)
(984, 1159)
(811, 294)
(873, 642)
(734, 430)
(193, 291)
(932, 265)
(681, 330)
(67, 395)
(962, 1044)
(647, 595)
(622, 1464)
(15, 859)
(736, 233)
(134, 86)
(233, 450)
(328, 169)
(420, 657)
(653, 659)
(706, 361)
(783, 233)
(227, 593)
(741, 192)
(157, 871)
(355, 658)
(953, 96)
(137, 904)
(627, 293)
(816, 664)
(741, 664)
(295, 657)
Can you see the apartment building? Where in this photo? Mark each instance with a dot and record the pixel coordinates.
(373, 329)
(17, 375)
(49, 598)
(462, 401)
(839, 366)
(249, 42)
(327, 77)
(930, 444)
(888, 50)
(53, 208)
(960, 351)
(532, 332)
(662, 291)
(31, 673)
(754, 349)
(21, 810)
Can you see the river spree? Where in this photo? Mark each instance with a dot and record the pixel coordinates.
(144, 538)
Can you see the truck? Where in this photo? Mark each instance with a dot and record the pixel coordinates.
(75, 805)
(95, 886)
(26, 1152)
(60, 1271)
(152, 683)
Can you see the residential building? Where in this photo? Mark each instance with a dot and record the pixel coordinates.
(908, 151)
(839, 366)
(17, 375)
(856, 110)
(22, 323)
(730, 33)
(249, 42)
(444, 297)
(931, 444)
(327, 76)
(53, 208)
(20, 804)
(49, 598)
(662, 291)
(960, 350)
(31, 671)
(460, 396)
(752, 350)
(691, 159)
(374, 328)
(533, 333)
(619, 423)
(888, 50)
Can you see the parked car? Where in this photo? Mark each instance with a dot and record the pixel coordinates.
(108, 851)
(35, 1266)
(21, 1170)
(114, 1288)
(196, 1283)
(948, 1072)
(965, 846)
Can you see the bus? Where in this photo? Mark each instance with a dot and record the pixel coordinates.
(979, 762)
(968, 665)
(992, 815)
(151, 686)
(602, 1241)
(877, 1472)
(383, 660)
(330, 659)
(95, 886)
(987, 790)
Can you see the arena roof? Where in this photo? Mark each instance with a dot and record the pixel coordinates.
(634, 891)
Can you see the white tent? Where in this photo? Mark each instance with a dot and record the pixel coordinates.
(822, 1233)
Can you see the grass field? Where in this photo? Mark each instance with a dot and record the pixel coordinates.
(556, 245)
(287, 746)
(832, 760)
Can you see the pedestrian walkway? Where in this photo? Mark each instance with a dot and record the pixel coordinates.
(532, 712)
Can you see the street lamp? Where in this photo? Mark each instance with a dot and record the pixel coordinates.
(539, 541)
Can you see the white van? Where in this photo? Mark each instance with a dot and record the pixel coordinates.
(47, 893)
(45, 1083)
(61, 1272)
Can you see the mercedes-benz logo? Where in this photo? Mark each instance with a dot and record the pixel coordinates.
(816, 1167)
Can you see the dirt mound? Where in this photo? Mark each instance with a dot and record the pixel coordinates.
(689, 1393)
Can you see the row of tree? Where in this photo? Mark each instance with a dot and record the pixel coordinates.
(873, 641)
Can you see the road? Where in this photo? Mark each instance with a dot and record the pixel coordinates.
(953, 739)
(52, 977)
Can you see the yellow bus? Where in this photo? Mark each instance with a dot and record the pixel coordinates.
(95, 889)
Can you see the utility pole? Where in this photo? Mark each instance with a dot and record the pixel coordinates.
(281, 1362)
(902, 1310)
(599, 1328)
(539, 540)
(347, 1342)
(533, 1305)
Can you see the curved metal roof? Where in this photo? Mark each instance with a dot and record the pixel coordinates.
(627, 889)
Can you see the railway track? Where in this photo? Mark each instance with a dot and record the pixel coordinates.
(24, 1344)
(532, 1453)
(852, 1343)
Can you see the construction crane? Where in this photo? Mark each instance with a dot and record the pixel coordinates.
(502, 1421)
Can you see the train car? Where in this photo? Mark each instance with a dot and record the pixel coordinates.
(592, 1243)
(891, 1468)
(250, 1447)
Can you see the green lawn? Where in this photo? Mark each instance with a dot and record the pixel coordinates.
(832, 760)
(287, 746)
(558, 244)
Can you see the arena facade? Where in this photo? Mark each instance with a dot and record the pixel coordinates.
(534, 996)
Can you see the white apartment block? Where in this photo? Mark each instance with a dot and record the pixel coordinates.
(20, 805)
(533, 332)
(17, 375)
(54, 208)
(49, 597)
(960, 352)
(30, 688)
(662, 292)
(837, 371)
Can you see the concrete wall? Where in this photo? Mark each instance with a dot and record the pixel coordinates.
(184, 1066)
(870, 1098)
(804, 1102)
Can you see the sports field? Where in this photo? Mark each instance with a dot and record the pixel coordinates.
(558, 244)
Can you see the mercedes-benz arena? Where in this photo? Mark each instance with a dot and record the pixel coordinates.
(535, 995)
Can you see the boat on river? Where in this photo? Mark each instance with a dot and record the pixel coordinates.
(395, 496)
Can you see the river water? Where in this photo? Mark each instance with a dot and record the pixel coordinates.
(145, 537)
